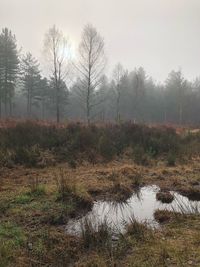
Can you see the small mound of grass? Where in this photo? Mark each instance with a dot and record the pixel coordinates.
(121, 191)
(69, 191)
(165, 197)
(138, 231)
(96, 235)
(191, 192)
(163, 216)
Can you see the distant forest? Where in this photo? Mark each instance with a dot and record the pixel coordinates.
(78, 88)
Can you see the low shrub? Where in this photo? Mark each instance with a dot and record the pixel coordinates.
(139, 155)
(6, 158)
(27, 156)
(30, 143)
(171, 159)
(106, 147)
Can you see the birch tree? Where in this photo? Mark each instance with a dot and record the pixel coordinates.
(56, 50)
(90, 67)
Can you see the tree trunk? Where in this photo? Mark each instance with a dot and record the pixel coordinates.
(5, 95)
(43, 107)
(88, 107)
(28, 103)
(57, 105)
(118, 109)
(10, 106)
(0, 102)
(58, 98)
(180, 114)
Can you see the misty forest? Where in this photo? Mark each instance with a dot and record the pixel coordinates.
(99, 161)
(80, 89)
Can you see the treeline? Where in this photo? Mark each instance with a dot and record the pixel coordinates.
(78, 89)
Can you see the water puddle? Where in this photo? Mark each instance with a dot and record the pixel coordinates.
(140, 205)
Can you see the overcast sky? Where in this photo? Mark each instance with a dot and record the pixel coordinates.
(159, 35)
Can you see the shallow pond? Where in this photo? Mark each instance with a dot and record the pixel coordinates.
(141, 205)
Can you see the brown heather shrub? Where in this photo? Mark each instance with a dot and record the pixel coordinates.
(75, 141)
(106, 148)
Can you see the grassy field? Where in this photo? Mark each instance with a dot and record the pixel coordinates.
(49, 175)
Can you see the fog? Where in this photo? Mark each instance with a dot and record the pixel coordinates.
(159, 35)
(92, 60)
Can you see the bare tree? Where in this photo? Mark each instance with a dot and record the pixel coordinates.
(118, 75)
(56, 49)
(90, 67)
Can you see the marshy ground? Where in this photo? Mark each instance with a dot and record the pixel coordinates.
(32, 219)
(36, 203)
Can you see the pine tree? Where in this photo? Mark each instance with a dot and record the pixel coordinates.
(31, 80)
(9, 63)
(52, 97)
